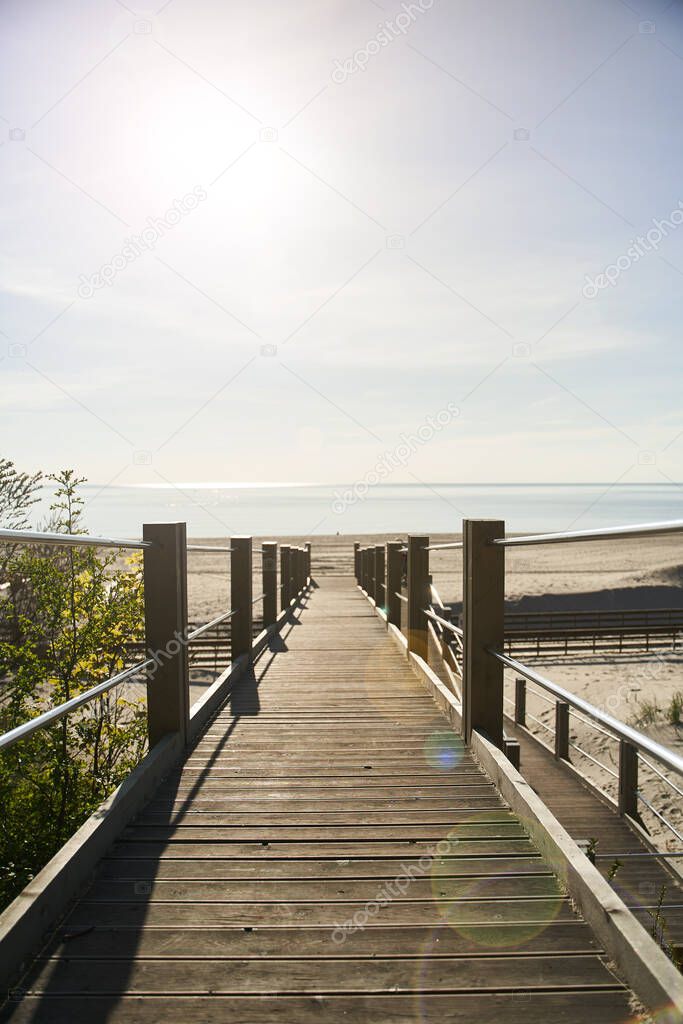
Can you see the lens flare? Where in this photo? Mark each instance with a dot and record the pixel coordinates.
(500, 910)
(444, 750)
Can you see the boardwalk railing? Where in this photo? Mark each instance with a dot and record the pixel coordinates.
(171, 723)
(167, 633)
(473, 658)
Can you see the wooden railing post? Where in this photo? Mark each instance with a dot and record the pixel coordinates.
(380, 590)
(269, 581)
(165, 571)
(366, 571)
(241, 624)
(393, 603)
(372, 575)
(483, 627)
(356, 560)
(308, 562)
(628, 779)
(285, 574)
(418, 595)
(561, 730)
(520, 701)
(299, 570)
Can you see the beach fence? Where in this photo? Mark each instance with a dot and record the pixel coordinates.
(471, 659)
(168, 635)
(620, 631)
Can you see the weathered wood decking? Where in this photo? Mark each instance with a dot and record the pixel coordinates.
(641, 879)
(318, 788)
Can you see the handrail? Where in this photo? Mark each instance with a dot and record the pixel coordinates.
(595, 761)
(619, 729)
(8, 739)
(661, 775)
(209, 547)
(400, 596)
(443, 547)
(207, 625)
(641, 530)
(660, 817)
(68, 540)
(443, 622)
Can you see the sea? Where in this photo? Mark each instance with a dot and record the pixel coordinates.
(222, 509)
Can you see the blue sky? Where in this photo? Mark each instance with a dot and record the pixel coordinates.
(363, 251)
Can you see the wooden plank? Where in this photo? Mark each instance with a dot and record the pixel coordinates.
(239, 782)
(530, 913)
(330, 833)
(264, 852)
(517, 1007)
(444, 889)
(238, 792)
(283, 803)
(324, 775)
(236, 943)
(318, 868)
(297, 976)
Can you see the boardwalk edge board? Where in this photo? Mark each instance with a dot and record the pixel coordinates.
(642, 964)
(36, 910)
(28, 919)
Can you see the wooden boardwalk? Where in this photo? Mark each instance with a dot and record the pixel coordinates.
(329, 789)
(640, 878)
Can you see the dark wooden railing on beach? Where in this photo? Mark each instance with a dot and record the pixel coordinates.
(474, 659)
(619, 632)
(168, 634)
(607, 822)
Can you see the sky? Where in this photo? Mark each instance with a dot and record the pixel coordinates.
(271, 242)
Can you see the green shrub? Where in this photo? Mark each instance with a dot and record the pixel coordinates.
(65, 624)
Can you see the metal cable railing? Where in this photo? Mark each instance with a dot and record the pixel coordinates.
(8, 739)
(594, 760)
(21, 537)
(209, 625)
(542, 696)
(587, 721)
(607, 533)
(613, 729)
(443, 622)
(661, 775)
(538, 721)
(68, 540)
(209, 547)
(673, 761)
(659, 816)
(483, 598)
